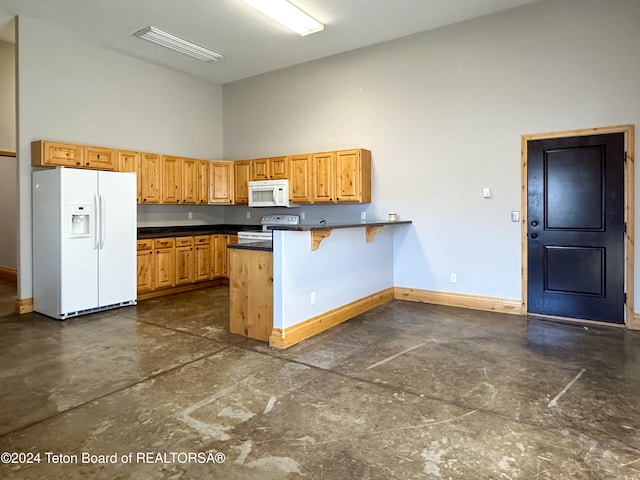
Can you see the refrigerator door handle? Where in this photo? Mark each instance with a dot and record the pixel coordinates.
(96, 221)
(102, 220)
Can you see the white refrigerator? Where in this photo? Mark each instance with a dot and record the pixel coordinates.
(84, 241)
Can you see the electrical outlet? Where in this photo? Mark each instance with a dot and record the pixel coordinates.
(301, 215)
(190, 215)
(453, 278)
(363, 215)
(312, 298)
(248, 214)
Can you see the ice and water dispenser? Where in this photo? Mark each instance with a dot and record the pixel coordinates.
(80, 221)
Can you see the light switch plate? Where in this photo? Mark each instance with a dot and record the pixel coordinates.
(486, 192)
(515, 216)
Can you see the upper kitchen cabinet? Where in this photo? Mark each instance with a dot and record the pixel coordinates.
(341, 177)
(242, 172)
(203, 182)
(299, 167)
(171, 179)
(323, 177)
(54, 154)
(189, 170)
(150, 176)
(353, 176)
(221, 182)
(130, 162)
(100, 158)
(269, 168)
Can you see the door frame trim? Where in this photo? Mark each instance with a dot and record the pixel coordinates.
(630, 321)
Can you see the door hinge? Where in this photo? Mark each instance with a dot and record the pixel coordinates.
(625, 298)
(625, 157)
(625, 227)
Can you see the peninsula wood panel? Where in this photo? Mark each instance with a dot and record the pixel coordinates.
(251, 293)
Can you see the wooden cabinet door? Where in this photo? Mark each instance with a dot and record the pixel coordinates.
(203, 182)
(189, 168)
(50, 154)
(202, 263)
(145, 265)
(241, 179)
(219, 252)
(278, 168)
(299, 178)
(100, 158)
(221, 183)
(202, 251)
(353, 176)
(130, 162)
(347, 176)
(164, 262)
(150, 177)
(323, 177)
(260, 169)
(185, 262)
(171, 179)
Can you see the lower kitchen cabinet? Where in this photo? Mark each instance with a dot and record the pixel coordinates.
(165, 262)
(145, 265)
(185, 261)
(168, 265)
(203, 257)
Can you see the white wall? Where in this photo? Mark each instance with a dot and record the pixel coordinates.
(342, 270)
(443, 112)
(72, 90)
(7, 97)
(8, 166)
(8, 212)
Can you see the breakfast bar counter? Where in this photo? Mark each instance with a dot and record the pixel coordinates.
(310, 278)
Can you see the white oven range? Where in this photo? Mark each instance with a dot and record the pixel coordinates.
(267, 222)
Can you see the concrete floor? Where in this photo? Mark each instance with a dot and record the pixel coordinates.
(406, 391)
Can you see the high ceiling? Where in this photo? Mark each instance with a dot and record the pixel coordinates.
(250, 42)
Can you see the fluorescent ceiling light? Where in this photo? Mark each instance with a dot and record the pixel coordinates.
(178, 44)
(288, 15)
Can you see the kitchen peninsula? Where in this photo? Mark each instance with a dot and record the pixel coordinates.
(310, 278)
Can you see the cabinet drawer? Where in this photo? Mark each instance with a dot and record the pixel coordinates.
(145, 244)
(184, 242)
(46, 153)
(202, 239)
(163, 243)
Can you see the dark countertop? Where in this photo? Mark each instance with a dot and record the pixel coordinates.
(263, 246)
(189, 230)
(332, 226)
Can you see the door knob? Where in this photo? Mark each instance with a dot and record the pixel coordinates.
(534, 224)
(534, 235)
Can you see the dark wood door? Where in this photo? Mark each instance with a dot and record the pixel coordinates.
(576, 227)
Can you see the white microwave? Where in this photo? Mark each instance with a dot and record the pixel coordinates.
(269, 193)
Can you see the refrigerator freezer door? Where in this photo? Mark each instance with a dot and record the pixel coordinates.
(78, 254)
(117, 239)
